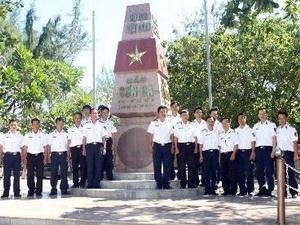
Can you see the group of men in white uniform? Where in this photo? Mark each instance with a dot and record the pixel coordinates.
(226, 154)
(88, 143)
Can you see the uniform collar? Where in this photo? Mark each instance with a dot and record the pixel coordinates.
(284, 126)
(246, 126)
(17, 132)
(177, 116)
(39, 131)
(74, 126)
(266, 122)
(201, 121)
(56, 131)
(228, 131)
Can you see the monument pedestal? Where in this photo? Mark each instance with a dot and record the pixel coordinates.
(133, 154)
(140, 87)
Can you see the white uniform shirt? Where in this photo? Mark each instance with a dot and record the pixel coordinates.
(174, 119)
(35, 142)
(245, 137)
(85, 120)
(75, 135)
(209, 139)
(286, 136)
(161, 131)
(199, 126)
(185, 132)
(109, 127)
(94, 132)
(264, 133)
(11, 142)
(218, 126)
(58, 141)
(227, 141)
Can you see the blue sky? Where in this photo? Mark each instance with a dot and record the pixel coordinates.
(109, 23)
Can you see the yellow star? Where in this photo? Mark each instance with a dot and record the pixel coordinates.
(136, 56)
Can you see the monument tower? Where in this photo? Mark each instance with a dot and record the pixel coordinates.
(140, 87)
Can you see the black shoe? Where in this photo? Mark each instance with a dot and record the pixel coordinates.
(30, 194)
(167, 187)
(294, 196)
(214, 193)
(269, 195)
(17, 196)
(192, 186)
(158, 187)
(39, 194)
(53, 193)
(65, 193)
(241, 194)
(206, 193)
(259, 194)
(5, 196)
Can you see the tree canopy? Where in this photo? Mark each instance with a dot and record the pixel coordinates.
(38, 79)
(253, 65)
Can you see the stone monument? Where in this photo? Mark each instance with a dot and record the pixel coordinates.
(140, 87)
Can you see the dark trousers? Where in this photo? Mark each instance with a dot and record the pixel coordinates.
(245, 171)
(94, 160)
(198, 166)
(292, 181)
(35, 166)
(11, 163)
(59, 161)
(78, 160)
(210, 164)
(187, 158)
(108, 161)
(162, 157)
(173, 173)
(228, 174)
(265, 169)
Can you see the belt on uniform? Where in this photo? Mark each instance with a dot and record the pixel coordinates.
(60, 153)
(264, 147)
(244, 150)
(225, 153)
(94, 143)
(161, 144)
(186, 143)
(210, 150)
(37, 154)
(12, 153)
(77, 146)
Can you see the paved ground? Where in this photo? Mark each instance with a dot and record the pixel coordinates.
(210, 210)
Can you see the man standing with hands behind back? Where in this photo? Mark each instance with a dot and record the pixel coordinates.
(160, 135)
(11, 144)
(265, 136)
(35, 148)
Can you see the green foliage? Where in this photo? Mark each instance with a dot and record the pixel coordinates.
(253, 67)
(42, 85)
(241, 11)
(7, 6)
(58, 41)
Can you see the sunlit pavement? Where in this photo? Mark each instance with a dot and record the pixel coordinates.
(81, 210)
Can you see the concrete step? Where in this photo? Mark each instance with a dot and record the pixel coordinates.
(134, 176)
(126, 194)
(134, 184)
